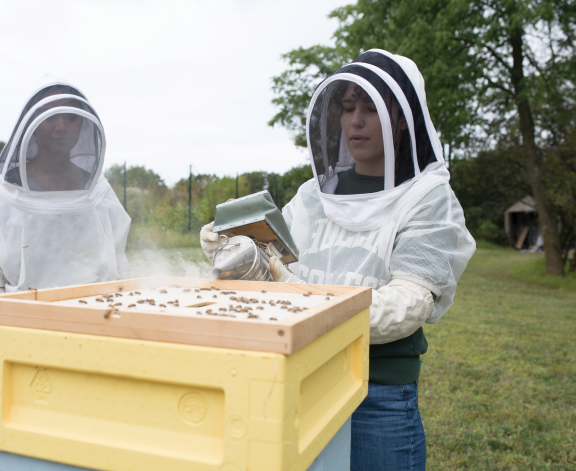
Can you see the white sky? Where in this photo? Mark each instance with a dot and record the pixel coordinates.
(174, 82)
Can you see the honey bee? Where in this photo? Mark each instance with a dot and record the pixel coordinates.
(132, 305)
(162, 305)
(83, 302)
(99, 300)
(187, 290)
(137, 292)
(273, 319)
(118, 304)
(163, 291)
(329, 294)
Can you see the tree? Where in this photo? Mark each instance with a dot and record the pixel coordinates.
(491, 66)
(136, 176)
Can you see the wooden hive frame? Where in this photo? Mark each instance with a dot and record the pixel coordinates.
(35, 309)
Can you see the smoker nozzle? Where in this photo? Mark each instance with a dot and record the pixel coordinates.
(216, 272)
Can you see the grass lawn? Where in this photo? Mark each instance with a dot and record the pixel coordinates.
(498, 384)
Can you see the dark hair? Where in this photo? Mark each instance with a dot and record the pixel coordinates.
(340, 90)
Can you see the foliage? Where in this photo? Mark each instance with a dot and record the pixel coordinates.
(295, 86)
(560, 177)
(2, 144)
(160, 214)
(136, 176)
(497, 383)
(486, 186)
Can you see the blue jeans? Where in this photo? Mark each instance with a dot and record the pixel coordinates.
(387, 432)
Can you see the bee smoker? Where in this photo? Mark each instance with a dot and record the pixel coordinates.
(240, 258)
(251, 230)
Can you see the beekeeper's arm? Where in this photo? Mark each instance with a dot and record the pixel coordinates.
(398, 309)
(431, 250)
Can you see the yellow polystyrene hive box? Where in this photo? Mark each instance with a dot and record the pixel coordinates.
(107, 400)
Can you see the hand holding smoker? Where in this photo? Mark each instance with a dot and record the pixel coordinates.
(250, 231)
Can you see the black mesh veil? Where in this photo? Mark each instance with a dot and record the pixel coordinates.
(337, 144)
(377, 84)
(57, 144)
(424, 148)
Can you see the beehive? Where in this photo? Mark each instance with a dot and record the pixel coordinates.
(143, 390)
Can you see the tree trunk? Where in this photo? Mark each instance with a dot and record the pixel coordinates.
(533, 161)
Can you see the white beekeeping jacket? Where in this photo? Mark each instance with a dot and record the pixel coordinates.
(60, 221)
(412, 226)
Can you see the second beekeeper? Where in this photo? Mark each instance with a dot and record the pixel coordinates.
(60, 221)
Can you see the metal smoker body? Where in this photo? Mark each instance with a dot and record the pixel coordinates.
(252, 229)
(240, 258)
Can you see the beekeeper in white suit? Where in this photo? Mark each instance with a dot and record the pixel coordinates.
(60, 221)
(379, 213)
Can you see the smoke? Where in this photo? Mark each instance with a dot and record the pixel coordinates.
(184, 262)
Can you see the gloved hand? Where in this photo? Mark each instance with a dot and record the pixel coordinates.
(209, 240)
(281, 273)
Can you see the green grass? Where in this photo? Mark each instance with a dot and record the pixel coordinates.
(531, 268)
(498, 384)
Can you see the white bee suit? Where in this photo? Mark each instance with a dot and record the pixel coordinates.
(57, 237)
(408, 240)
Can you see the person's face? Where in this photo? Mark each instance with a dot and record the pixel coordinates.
(58, 134)
(362, 128)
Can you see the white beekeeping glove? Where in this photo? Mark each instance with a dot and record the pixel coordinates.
(398, 310)
(280, 272)
(209, 240)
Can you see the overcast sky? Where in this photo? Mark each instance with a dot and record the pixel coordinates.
(174, 82)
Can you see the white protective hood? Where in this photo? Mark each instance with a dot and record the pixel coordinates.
(60, 221)
(413, 162)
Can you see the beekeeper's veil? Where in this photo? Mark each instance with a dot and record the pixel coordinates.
(393, 88)
(60, 221)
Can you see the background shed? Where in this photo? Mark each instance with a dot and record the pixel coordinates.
(521, 223)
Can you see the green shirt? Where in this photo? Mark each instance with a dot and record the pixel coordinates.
(396, 362)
